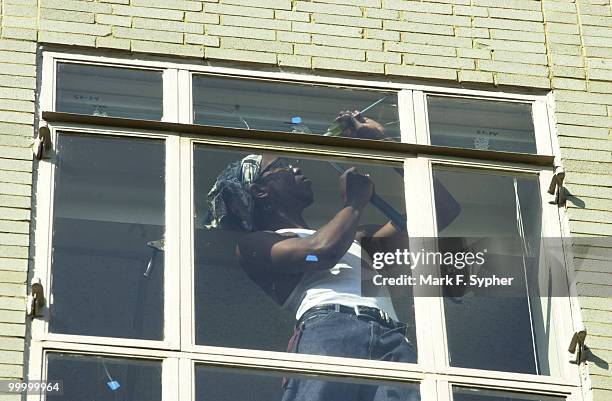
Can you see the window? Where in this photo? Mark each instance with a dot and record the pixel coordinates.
(129, 378)
(109, 91)
(491, 206)
(466, 394)
(293, 107)
(162, 238)
(108, 212)
(481, 124)
(232, 384)
(257, 310)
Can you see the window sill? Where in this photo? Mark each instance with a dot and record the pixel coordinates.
(304, 139)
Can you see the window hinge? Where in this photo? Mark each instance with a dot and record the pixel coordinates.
(42, 142)
(578, 348)
(556, 186)
(35, 299)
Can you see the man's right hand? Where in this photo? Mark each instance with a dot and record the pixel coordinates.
(356, 189)
(356, 125)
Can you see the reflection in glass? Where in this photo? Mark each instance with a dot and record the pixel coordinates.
(288, 107)
(252, 300)
(107, 274)
(109, 91)
(481, 124)
(474, 394)
(104, 379)
(213, 384)
(485, 329)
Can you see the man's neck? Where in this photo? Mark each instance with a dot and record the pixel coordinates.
(282, 219)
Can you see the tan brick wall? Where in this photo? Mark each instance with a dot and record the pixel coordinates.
(564, 45)
(581, 57)
(17, 93)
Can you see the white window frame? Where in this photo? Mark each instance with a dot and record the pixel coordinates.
(178, 350)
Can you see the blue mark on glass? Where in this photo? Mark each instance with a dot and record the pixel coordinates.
(296, 120)
(113, 385)
(312, 258)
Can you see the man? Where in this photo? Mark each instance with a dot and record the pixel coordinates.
(315, 273)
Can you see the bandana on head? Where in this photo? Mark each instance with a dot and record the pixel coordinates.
(230, 203)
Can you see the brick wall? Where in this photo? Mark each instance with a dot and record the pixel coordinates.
(580, 52)
(564, 45)
(17, 92)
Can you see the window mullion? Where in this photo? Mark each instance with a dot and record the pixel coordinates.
(421, 226)
(444, 390)
(186, 266)
(185, 103)
(420, 117)
(172, 246)
(429, 390)
(170, 95)
(170, 378)
(185, 379)
(405, 107)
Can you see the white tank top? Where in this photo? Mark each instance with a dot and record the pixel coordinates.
(339, 285)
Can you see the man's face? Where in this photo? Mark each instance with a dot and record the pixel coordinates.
(285, 183)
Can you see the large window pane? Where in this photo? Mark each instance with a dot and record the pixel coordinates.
(475, 394)
(213, 384)
(289, 107)
(107, 271)
(100, 378)
(109, 91)
(499, 214)
(254, 301)
(481, 124)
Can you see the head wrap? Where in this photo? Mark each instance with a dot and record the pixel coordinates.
(229, 201)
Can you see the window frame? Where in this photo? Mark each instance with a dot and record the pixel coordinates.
(180, 354)
(171, 217)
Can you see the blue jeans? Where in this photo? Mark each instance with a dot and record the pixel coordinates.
(340, 334)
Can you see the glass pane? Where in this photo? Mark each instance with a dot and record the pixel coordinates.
(493, 327)
(292, 107)
(481, 124)
(109, 206)
(213, 384)
(258, 271)
(109, 91)
(104, 379)
(474, 394)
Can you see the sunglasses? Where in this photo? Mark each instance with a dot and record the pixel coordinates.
(281, 163)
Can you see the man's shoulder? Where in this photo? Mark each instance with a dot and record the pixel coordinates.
(256, 242)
